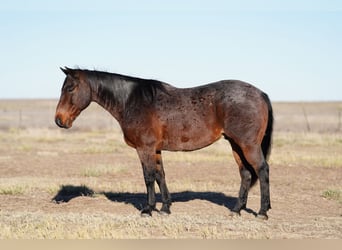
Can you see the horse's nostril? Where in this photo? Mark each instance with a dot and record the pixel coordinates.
(59, 122)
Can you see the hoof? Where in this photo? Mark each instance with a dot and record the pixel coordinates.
(262, 217)
(164, 213)
(165, 210)
(146, 212)
(234, 214)
(145, 215)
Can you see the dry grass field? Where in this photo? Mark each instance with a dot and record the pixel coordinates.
(86, 183)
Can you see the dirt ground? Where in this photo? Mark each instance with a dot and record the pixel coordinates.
(86, 183)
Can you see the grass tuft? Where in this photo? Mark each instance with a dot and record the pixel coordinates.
(12, 190)
(333, 195)
(98, 170)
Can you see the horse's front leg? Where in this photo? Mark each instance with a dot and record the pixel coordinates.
(160, 177)
(149, 176)
(148, 162)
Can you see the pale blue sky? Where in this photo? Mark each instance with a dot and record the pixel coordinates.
(290, 49)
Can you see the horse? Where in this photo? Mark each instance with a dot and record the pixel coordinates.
(156, 116)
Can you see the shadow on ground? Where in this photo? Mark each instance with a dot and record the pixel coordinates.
(137, 200)
(69, 192)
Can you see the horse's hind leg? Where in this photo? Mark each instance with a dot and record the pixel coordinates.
(252, 165)
(160, 177)
(248, 178)
(264, 190)
(256, 159)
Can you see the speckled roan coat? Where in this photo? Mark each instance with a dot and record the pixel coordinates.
(156, 116)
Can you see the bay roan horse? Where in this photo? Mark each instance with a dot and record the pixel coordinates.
(156, 116)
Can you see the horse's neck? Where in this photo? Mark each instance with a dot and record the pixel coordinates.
(112, 95)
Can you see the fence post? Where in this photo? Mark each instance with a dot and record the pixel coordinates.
(339, 121)
(306, 119)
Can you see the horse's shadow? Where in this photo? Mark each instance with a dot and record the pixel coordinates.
(137, 200)
(69, 192)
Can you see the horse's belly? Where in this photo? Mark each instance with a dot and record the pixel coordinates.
(190, 141)
(190, 127)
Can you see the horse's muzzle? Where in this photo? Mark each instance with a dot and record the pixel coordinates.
(60, 123)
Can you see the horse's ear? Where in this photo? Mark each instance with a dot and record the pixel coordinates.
(70, 72)
(65, 70)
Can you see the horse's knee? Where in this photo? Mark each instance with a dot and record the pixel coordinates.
(246, 177)
(149, 180)
(160, 176)
(149, 175)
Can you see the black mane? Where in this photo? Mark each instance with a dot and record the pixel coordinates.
(114, 87)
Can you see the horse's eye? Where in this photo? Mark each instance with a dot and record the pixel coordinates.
(70, 88)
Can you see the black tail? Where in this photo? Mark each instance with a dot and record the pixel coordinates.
(267, 140)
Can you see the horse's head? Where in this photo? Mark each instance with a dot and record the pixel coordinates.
(75, 96)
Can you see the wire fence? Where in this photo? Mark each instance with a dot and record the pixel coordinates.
(323, 117)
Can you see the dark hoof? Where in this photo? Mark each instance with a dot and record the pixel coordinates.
(146, 212)
(145, 215)
(234, 214)
(164, 213)
(165, 210)
(262, 217)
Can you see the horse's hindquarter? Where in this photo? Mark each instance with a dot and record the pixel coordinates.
(244, 112)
